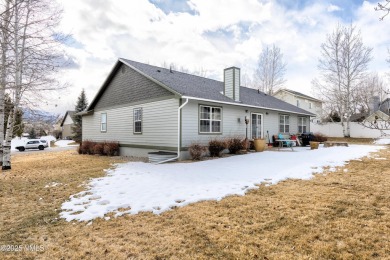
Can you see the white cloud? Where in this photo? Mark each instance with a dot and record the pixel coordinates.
(220, 33)
(333, 8)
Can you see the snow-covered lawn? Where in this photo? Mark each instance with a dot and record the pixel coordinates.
(134, 187)
(382, 141)
(65, 143)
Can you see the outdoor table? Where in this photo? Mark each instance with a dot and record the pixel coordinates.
(289, 143)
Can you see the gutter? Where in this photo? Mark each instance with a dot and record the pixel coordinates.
(178, 133)
(243, 105)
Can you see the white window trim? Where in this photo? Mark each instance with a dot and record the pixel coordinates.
(134, 120)
(101, 122)
(284, 123)
(210, 120)
(302, 119)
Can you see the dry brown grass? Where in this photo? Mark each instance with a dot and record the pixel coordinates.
(339, 215)
(351, 140)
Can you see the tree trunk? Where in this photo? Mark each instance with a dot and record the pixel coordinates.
(7, 143)
(3, 81)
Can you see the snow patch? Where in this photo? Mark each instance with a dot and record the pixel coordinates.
(65, 143)
(382, 141)
(135, 186)
(52, 184)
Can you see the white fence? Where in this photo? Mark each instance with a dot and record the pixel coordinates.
(336, 130)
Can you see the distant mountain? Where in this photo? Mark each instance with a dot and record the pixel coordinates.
(33, 116)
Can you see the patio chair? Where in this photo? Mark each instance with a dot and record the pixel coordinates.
(285, 143)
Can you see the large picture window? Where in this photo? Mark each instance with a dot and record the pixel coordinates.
(137, 120)
(302, 124)
(103, 122)
(284, 123)
(210, 119)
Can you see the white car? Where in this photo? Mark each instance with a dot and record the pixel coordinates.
(32, 144)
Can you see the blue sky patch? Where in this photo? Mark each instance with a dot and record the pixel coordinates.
(173, 6)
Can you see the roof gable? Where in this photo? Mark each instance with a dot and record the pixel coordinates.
(299, 94)
(69, 113)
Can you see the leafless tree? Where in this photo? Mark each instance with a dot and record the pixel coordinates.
(32, 54)
(343, 65)
(4, 43)
(270, 70)
(371, 86)
(383, 7)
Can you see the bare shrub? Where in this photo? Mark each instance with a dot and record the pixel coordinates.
(98, 149)
(318, 137)
(234, 145)
(111, 148)
(197, 151)
(86, 147)
(216, 147)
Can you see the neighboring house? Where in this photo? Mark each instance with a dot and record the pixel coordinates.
(300, 100)
(377, 110)
(67, 124)
(147, 108)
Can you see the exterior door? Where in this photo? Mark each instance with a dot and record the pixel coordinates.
(256, 126)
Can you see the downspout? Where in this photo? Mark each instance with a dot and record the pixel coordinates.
(178, 133)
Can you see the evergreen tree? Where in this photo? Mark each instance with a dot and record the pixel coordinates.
(8, 107)
(32, 134)
(81, 105)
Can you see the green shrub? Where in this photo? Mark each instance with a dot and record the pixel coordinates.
(197, 151)
(234, 145)
(216, 147)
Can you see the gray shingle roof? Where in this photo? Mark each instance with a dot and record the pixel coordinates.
(203, 88)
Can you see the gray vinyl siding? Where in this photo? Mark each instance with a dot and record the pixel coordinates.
(228, 76)
(128, 86)
(237, 84)
(159, 124)
(230, 125)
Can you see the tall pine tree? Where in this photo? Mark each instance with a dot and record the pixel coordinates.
(81, 105)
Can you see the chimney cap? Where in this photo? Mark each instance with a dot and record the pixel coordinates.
(232, 67)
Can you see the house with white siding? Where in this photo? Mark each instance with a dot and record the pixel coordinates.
(147, 108)
(308, 103)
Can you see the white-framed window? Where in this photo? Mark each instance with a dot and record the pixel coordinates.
(210, 119)
(103, 122)
(310, 105)
(284, 123)
(302, 124)
(297, 102)
(137, 120)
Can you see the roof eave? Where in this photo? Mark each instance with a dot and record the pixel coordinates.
(245, 105)
(84, 113)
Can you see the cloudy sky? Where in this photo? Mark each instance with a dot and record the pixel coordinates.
(209, 35)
